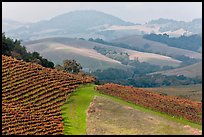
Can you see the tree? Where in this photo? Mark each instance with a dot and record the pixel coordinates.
(36, 55)
(72, 66)
(14, 48)
(7, 45)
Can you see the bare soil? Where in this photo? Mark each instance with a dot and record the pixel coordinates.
(107, 117)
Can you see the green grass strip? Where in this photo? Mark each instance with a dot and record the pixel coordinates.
(74, 110)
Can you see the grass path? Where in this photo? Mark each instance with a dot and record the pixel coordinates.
(74, 110)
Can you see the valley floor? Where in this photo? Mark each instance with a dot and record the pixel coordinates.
(89, 112)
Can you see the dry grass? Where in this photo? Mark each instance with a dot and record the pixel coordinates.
(192, 92)
(107, 117)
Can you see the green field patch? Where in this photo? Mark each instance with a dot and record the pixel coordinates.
(74, 110)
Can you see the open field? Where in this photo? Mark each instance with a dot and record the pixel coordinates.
(192, 71)
(79, 50)
(155, 47)
(152, 58)
(192, 92)
(57, 49)
(174, 106)
(107, 117)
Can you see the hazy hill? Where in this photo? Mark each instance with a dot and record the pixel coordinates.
(192, 71)
(194, 26)
(96, 24)
(58, 49)
(76, 22)
(8, 24)
(160, 26)
(139, 42)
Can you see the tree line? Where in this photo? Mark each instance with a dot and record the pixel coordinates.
(193, 42)
(135, 78)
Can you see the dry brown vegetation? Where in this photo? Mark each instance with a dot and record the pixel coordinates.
(175, 106)
(108, 117)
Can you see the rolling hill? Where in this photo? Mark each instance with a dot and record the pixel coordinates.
(191, 92)
(96, 24)
(75, 24)
(192, 71)
(169, 25)
(167, 104)
(57, 49)
(8, 24)
(137, 41)
(32, 97)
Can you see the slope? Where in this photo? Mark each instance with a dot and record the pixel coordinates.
(108, 117)
(76, 22)
(57, 49)
(174, 106)
(94, 113)
(32, 97)
(192, 71)
(192, 92)
(139, 42)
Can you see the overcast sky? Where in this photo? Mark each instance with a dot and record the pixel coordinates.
(136, 12)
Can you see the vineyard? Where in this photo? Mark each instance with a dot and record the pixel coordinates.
(32, 97)
(175, 106)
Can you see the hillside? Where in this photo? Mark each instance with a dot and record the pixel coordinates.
(41, 101)
(167, 25)
(96, 24)
(92, 112)
(137, 41)
(32, 97)
(192, 92)
(57, 49)
(8, 24)
(192, 71)
(175, 106)
(130, 120)
(76, 22)
(192, 43)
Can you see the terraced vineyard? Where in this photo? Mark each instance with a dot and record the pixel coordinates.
(175, 106)
(32, 97)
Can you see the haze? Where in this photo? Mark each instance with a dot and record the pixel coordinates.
(136, 12)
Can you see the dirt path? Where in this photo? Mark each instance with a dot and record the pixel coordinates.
(105, 116)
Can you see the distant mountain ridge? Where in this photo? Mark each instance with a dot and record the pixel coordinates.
(69, 23)
(194, 26)
(96, 24)
(8, 24)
